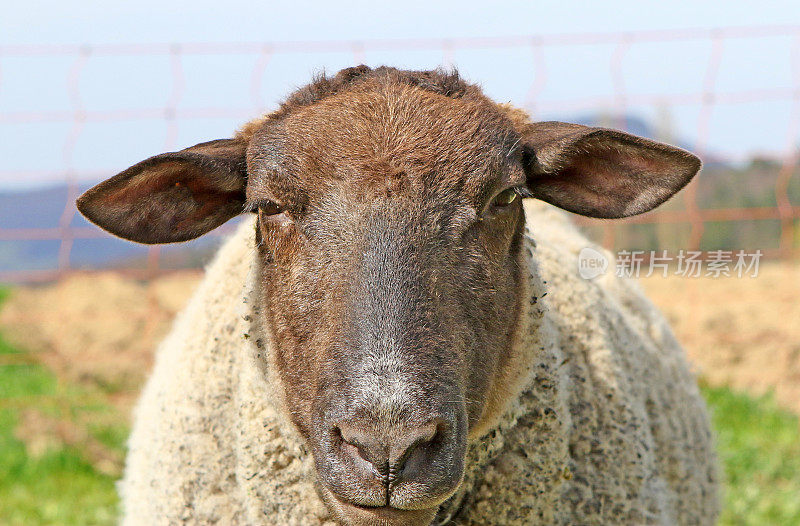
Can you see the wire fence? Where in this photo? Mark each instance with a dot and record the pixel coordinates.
(691, 214)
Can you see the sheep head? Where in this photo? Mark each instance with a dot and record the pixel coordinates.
(391, 274)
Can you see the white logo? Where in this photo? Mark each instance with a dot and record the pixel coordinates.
(591, 263)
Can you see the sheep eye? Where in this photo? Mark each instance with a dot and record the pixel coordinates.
(269, 211)
(263, 208)
(269, 208)
(505, 198)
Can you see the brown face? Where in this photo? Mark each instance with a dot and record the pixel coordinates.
(389, 231)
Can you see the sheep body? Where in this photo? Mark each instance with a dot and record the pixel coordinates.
(608, 426)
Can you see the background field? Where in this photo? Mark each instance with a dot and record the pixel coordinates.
(71, 365)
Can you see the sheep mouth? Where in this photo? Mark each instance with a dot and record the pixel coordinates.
(357, 514)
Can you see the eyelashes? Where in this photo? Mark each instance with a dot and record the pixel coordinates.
(523, 191)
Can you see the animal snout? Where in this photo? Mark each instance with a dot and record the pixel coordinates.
(393, 463)
(391, 454)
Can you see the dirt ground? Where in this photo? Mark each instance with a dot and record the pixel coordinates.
(97, 329)
(103, 328)
(741, 332)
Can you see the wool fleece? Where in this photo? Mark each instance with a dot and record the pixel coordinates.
(606, 425)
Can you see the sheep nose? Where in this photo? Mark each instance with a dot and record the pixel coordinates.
(394, 459)
(394, 453)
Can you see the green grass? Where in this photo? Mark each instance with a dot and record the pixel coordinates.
(59, 486)
(759, 446)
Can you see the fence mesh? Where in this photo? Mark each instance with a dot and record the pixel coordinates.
(693, 215)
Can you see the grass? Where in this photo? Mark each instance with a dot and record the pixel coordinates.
(759, 446)
(58, 485)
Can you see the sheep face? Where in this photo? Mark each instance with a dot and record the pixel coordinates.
(391, 278)
(389, 236)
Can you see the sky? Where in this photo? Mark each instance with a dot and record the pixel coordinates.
(567, 77)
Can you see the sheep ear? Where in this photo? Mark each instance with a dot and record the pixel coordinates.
(173, 196)
(599, 172)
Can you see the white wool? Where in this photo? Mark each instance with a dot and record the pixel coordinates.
(608, 426)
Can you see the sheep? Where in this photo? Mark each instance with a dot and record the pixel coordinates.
(390, 338)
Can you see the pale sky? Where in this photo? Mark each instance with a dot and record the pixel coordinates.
(754, 79)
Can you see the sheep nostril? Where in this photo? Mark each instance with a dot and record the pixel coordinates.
(362, 451)
(412, 441)
(356, 450)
